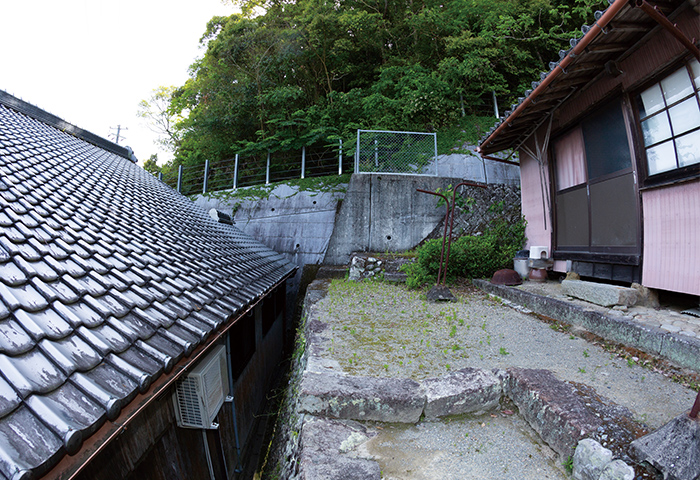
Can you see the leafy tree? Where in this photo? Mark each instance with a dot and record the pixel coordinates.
(151, 165)
(287, 74)
(158, 111)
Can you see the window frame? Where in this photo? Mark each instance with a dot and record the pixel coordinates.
(678, 174)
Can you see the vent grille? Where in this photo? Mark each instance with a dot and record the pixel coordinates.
(188, 398)
(201, 393)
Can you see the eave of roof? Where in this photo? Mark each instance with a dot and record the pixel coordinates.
(110, 283)
(615, 32)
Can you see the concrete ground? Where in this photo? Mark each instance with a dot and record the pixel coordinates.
(382, 330)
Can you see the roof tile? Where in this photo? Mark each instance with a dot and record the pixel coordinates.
(107, 278)
(26, 445)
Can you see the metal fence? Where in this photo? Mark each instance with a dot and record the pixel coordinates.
(382, 151)
(249, 170)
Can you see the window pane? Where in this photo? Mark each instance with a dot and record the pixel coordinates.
(656, 129)
(676, 86)
(605, 139)
(650, 101)
(695, 67)
(685, 116)
(689, 148)
(571, 164)
(661, 158)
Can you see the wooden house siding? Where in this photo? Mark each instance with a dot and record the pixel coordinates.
(534, 205)
(650, 58)
(672, 238)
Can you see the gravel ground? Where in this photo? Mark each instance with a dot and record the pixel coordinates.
(386, 330)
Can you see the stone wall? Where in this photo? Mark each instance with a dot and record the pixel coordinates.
(483, 206)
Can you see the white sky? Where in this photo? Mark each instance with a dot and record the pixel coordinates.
(90, 62)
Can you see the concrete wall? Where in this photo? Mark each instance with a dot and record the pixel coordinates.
(378, 212)
(472, 167)
(295, 223)
(385, 213)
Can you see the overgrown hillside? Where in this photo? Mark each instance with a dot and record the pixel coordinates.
(313, 71)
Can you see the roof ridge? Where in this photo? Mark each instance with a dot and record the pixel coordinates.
(33, 111)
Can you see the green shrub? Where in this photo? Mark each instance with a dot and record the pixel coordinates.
(470, 256)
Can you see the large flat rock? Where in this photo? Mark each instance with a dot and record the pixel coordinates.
(470, 390)
(600, 293)
(551, 408)
(674, 449)
(361, 398)
(324, 445)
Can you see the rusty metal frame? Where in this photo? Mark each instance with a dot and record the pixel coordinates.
(444, 235)
(449, 218)
(696, 408)
(656, 14)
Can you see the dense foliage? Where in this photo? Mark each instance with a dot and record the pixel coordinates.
(311, 71)
(471, 256)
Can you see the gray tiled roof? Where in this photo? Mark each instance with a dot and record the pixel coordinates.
(108, 278)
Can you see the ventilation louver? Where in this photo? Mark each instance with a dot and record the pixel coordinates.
(201, 393)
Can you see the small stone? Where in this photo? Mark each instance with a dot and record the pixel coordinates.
(621, 308)
(670, 328)
(440, 293)
(590, 458)
(617, 470)
(688, 333)
(371, 260)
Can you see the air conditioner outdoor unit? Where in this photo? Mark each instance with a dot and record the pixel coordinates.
(199, 396)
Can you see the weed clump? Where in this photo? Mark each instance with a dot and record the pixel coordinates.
(473, 256)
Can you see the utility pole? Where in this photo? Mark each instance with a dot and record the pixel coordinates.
(118, 128)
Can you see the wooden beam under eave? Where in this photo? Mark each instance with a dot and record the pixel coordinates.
(584, 67)
(628, 27)
(608, 48)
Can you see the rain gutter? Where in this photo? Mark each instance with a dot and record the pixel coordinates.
(71, 466)
(580, 46)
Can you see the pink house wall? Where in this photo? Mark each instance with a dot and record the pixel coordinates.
(671, 215)
(672, 238)
(534, 208)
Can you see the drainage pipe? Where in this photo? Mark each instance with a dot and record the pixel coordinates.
(233, 403)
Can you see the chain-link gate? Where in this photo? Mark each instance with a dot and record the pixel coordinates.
(411, 153)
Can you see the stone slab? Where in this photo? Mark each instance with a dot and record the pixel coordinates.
(600, 293)
(650, 339)
(563, 413)
(361, 398)
(552, 408)
(673, 449)
(324, 444)
(470, 390)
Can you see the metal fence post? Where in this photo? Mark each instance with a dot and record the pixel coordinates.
(340, 158)
(376, 153)
(436, 155)
(179, 178)
(267, 170)
(357, 153)
(303, 160)
(206, 175)
(235, 173)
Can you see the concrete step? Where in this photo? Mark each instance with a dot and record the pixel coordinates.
(600, 293)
